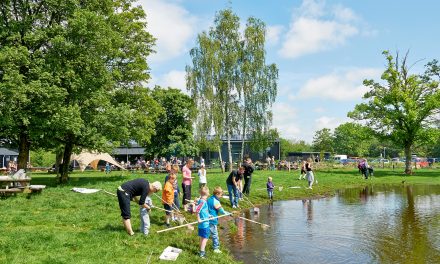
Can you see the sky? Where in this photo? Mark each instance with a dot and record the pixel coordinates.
(323, 49)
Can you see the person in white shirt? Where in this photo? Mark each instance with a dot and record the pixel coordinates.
(202, 176)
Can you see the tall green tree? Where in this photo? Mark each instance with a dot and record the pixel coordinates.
(323, 141)
(29, 95)
(174, 126)
(352, 139)
(258, 88)
(77, 74)
(226, 70)
(403, 106)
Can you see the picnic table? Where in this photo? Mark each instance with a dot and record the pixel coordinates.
(10, 185)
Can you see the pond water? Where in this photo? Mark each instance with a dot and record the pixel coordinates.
(370, 225)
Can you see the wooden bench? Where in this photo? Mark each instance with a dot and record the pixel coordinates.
(10, 191)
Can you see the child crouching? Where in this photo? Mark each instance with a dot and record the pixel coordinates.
(203, 214)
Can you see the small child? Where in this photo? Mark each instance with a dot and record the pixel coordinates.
(215, 208)
(202, 176)
(145, 217)
(270, 187)
(203, 214)
(168, 198)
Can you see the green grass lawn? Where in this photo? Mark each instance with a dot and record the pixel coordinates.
(61, 226)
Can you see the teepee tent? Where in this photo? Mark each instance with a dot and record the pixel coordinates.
(86, 158)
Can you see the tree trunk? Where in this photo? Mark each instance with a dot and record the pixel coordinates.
(243, 135)
(229, 149)
(68, 149)
(23, 151)
(222, 166)
(408, 158)
(58, 160)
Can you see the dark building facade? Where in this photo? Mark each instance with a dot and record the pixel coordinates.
(7, 155)
(212, 156)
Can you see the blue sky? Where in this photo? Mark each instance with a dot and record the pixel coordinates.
(323, 49)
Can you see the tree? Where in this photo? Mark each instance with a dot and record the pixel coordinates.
(293, 146)
(84, 62)
(29, 96)
(258, 87)
(323, 140)
(404, 106)
(174, 131)
(226, 70)
(352, 139)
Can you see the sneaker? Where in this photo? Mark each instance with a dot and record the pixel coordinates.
(218, 251)
(202, 254)
(234, 206)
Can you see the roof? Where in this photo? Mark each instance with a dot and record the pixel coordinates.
(8, 152)
(128, 151)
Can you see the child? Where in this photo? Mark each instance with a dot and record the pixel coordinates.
(203, 214)
(270, 187)
(145, 217)
(310, 175)
(168, 198)
(303, 170)
(215, 208)
(202, 176)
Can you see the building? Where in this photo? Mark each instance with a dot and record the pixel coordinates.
(7, 155)
(212, 156)
(135, 151)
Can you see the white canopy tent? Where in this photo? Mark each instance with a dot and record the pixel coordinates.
(86, 158)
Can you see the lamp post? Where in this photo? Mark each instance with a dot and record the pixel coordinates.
(383, 160)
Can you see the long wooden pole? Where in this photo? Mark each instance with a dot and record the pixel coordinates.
(193, 223)
(252, 221)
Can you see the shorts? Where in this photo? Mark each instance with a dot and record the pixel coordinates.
(204, 232)
(168, 208)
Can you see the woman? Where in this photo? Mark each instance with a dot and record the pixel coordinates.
(186, 183)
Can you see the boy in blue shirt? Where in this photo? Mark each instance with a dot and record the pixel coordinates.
(202, 215)
(215, 208)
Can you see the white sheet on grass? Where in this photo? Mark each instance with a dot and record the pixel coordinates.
(85, 190)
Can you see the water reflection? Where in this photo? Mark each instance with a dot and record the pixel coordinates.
(398, 224)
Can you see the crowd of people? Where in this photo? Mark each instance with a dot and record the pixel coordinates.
(207, 206)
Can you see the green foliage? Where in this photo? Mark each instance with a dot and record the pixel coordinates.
(293, 146)
(323, 141)
(174, 131)
(71, 73)
(352, 139)
(262, 140)
(403, 106)
(42, 158)
(229, 81)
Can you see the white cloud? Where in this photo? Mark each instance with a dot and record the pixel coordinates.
(329, 122)
(284, 119)
(341, 86)
(172, 26)
(173, 79)
(273, 34)
(311, 32)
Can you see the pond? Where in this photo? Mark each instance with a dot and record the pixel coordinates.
(399, 224)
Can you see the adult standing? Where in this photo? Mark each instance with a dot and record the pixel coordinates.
(186, 183)
(127, 191)
(247, 175)
(233, 182)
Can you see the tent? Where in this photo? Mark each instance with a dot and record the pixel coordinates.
(86, 158)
